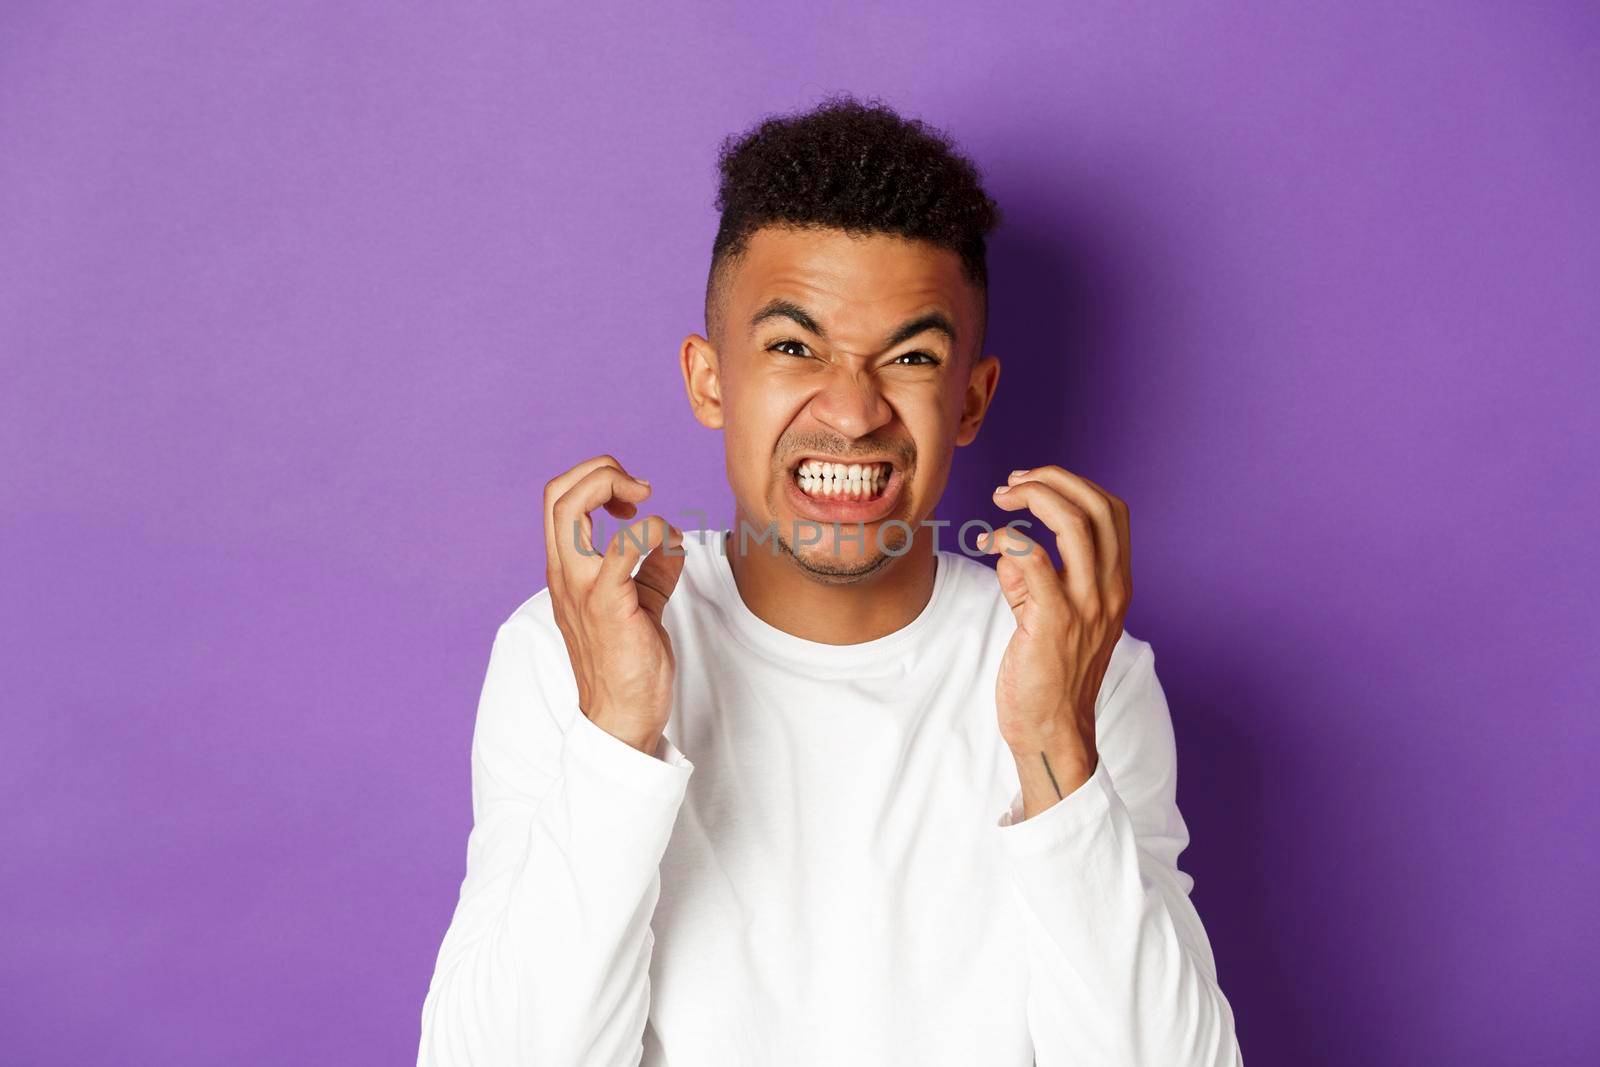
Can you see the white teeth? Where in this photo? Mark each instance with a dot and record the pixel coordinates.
(831, 480)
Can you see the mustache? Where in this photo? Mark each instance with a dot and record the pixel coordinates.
(901, 449)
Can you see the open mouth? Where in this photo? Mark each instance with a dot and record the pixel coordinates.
(823, 480)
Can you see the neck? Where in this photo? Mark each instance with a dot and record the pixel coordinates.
(784, 595)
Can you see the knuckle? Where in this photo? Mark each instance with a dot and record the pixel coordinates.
(563, 501)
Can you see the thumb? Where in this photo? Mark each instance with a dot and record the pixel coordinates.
(1013, 579)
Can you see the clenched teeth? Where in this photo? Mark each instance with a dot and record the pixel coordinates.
(843, 481)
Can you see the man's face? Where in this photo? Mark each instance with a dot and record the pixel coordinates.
(845, 373)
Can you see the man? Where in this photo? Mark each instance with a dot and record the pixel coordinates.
(816, 790)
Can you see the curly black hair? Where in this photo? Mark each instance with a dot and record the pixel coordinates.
(855, 166)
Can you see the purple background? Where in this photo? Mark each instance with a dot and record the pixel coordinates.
(300, 305)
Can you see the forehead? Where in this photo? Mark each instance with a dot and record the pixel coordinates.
(853, 285)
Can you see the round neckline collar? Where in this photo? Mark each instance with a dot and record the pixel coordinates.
(765, 637)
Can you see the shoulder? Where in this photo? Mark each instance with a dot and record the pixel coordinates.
(1135, 737)
(530, 632)
(528, 656)
(534, 614)
(1131, 669)
(527, 703)
(972, 589)
(700, 582)
(532, 624)
(975, 588)
(1132, 725)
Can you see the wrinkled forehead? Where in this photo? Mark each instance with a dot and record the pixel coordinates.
(856, 287)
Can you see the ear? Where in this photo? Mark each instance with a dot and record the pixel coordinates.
(702, 380)
(981, 383)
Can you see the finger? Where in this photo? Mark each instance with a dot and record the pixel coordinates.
(560, 483)
(1107, 513)
(552, 491)
(1119, 508)
(578, 557)
(555, 487)
(1122, 519)
(1075, 537)
(658, 575)
(1027, 576)
(627, 546)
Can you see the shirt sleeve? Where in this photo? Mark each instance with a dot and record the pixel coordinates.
(1121, 970)
(547, 955)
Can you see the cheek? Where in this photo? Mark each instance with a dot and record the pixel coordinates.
(932, 417)
(757, 411)
(757, 389)
(756, 414)
(930, 414)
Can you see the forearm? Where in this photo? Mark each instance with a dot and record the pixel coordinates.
(547, 957)
(1051, 768)
(1121, 970)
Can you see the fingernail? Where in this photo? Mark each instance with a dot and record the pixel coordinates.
(642, 481)
(1018, 474)
(1003, 489)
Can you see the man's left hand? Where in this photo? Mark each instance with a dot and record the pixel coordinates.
(1068, 621)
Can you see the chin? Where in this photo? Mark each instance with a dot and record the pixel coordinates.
(827, 566)
(840, 556)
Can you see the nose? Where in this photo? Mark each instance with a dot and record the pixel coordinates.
(850, 404)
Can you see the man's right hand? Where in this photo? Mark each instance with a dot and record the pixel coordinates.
(611, 619)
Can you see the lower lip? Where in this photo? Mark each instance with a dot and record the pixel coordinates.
(843, 509)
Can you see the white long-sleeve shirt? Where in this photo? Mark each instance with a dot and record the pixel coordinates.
(825, 861)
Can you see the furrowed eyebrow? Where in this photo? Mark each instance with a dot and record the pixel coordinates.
(786, 309)
(933, 320)
(779, 308)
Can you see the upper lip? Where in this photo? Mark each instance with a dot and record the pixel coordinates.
(863, 461)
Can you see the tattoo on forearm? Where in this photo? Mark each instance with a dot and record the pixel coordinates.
(1053, 783)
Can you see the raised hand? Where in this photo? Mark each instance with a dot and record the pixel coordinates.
(609, 617)
(1068, 622)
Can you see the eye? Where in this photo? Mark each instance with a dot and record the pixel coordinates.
(778, 345)
(926, 360)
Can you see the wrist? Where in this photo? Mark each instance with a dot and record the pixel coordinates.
(644, 736)
(1065, 744)
(1051, 765)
